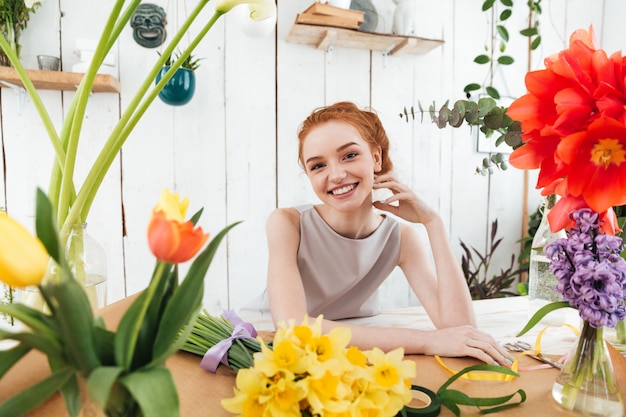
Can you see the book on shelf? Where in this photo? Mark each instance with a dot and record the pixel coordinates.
(324, 20)
(328, 10)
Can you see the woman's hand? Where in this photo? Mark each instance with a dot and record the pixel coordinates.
(467, 341)
(408, 207)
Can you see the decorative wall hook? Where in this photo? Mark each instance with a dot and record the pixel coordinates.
(148, 23)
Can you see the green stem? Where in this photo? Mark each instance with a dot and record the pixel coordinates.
(34, 96)
(620, 330)
(131, 117)
(74, 121)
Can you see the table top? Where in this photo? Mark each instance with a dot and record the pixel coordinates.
(201, 391)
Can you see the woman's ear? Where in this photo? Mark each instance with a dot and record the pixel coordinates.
(378, 159)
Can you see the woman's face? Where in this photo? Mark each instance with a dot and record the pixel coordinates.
(340, 165)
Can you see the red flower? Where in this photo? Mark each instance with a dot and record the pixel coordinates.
(574, 124)
(599, 156)
(170, 238)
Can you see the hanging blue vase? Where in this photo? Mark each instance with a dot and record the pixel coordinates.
(180, 88)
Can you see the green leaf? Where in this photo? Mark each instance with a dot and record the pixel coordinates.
(493, 92)
(154, 390)
(74, 319)
(488, 4)
(507, 3)
(8, 358)
(481, 367)
(35, 395)
(541, 313)
(504, 34)
(506, 13)
(48, 345)
(101, 381)
(528, 32)
(188, 294)
(505, 60)
(46, 227)
(194, 219)
(471, 87)
(482, 59)
(535, 43)
(37, 320)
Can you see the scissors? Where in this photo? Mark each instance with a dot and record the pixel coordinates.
(521, 346)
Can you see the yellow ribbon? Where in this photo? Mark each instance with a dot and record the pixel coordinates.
(483, 376)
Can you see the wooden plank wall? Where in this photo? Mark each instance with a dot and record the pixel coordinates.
(233, 148)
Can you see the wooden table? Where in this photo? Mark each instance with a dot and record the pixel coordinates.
(201, 391)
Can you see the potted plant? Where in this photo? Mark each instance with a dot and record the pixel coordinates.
(180, 88)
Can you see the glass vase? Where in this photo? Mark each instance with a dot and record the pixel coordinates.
(541, 281)
(587, 382)
(87, 261)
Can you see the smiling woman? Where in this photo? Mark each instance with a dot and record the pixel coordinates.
(345, 154)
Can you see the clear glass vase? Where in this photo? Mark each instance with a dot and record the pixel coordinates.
(587, 382)
(88, 262)
(541, 281)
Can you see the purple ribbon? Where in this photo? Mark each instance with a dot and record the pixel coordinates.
(219, 352)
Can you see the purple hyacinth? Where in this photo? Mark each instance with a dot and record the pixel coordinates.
(590, 271)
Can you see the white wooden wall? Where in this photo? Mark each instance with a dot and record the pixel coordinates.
(233, 148)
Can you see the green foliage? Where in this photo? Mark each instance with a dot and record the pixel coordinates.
(452, 398)
(189, 62)
(485, 114)
(476, 272)
(123, 368)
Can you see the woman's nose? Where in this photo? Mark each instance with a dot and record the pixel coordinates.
(337, 173)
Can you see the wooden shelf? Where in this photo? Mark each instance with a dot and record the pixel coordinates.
(58, 80)
(322, 37)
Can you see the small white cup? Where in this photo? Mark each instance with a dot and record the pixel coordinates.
(344, 4)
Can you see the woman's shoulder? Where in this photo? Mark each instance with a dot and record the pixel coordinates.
(284, 217)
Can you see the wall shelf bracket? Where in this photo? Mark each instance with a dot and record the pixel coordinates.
(20, 94)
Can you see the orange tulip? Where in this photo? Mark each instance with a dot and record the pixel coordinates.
(23, 258)
(172, 239)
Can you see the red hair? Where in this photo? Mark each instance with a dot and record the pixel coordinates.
(366, 122)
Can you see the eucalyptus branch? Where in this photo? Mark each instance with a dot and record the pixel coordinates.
(485, 114)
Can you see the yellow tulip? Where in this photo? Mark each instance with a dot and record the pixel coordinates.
(23, 258)
(259, 9)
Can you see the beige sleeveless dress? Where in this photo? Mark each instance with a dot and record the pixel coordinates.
(341, 276)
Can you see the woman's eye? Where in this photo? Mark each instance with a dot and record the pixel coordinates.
(315, 167)
(351, 155)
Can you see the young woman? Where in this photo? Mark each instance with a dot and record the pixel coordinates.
(330, 258)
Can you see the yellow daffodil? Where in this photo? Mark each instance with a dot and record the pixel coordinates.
(23, 258)
(259, 9)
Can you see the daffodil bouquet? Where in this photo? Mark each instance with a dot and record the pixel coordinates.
(308, 373)
(124, 370)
